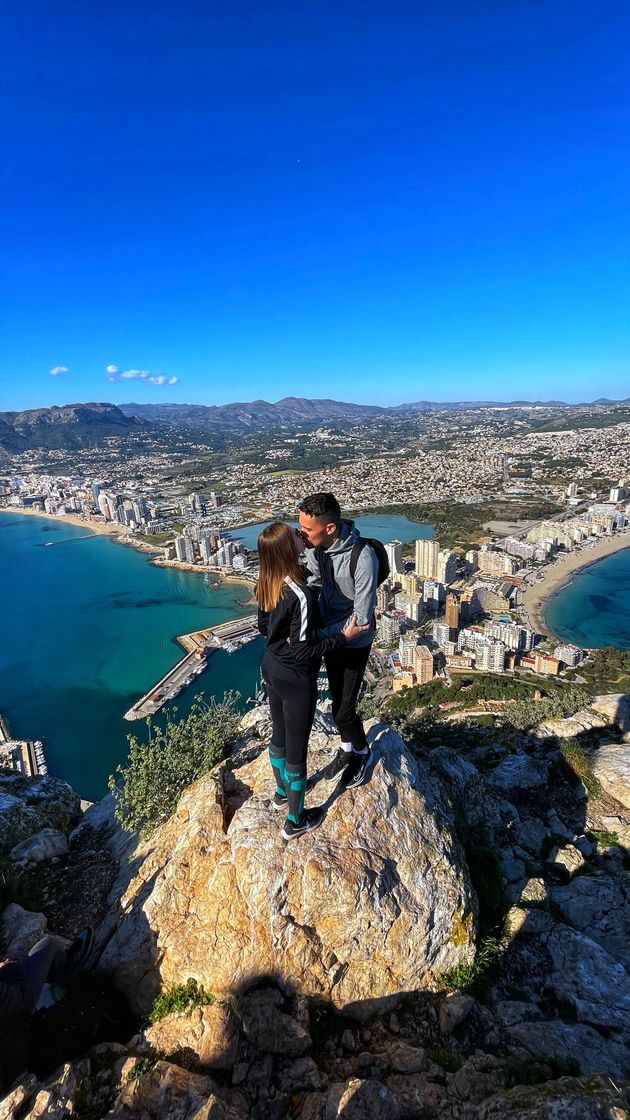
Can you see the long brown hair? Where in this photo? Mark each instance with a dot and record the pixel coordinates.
(277, 559)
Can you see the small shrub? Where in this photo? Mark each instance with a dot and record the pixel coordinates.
(146, 790)
(179, 997)
(473, 977)
(578, 763)
(143, 1065)
(606, 839)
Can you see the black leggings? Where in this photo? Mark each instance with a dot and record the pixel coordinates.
(346, 669)
(292, 705)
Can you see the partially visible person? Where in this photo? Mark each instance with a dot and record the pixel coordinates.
(21, 982)
(288, 619)
(345, 569)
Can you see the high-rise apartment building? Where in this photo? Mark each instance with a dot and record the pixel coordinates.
(423, 664)
(180, 548)
(446, 566)
(410, 583)
(395, 556)
(490, 655)
(440, 633)
(426, 559)
(571, 655)
(451, 613)
(383, 597)
(407, 652)
(388, 628)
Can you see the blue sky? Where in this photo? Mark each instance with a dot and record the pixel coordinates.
(367, 201)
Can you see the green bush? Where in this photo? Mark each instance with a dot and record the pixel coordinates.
(179, 997)
(473, 978)
(146, 790)
(578, 763)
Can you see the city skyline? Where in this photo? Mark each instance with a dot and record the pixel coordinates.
(221, 205)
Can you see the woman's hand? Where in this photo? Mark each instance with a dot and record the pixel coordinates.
(351, 630)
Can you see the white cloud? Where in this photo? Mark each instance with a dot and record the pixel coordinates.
(56, 370)
(115, 374)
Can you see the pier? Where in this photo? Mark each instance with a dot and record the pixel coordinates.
(26, 756)
(198, 645)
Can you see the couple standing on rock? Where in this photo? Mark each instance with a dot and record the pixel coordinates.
(316, 597)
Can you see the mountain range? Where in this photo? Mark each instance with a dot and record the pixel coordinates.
(71, 426)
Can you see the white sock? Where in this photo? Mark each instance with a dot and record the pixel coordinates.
(364, 751)
(346, 747)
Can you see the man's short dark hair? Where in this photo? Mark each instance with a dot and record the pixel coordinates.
(323, 504)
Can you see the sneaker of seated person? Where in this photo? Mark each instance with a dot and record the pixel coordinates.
(340, 761)
(78, 952)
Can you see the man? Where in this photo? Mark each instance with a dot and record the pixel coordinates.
(330, 541)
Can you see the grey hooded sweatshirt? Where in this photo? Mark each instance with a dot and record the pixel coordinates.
(340, 595)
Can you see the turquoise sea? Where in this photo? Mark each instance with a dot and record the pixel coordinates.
(594, 608)
(89, 625)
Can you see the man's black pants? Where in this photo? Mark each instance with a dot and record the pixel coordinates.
(346, 669)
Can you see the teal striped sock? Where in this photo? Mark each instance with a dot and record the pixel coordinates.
(296, 794)
(277, 761)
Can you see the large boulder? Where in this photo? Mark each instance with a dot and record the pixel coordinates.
(28, 805)
(611, 766)
(376, 902)
(569, 1098)
(599, 906)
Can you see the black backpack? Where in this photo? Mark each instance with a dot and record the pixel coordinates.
(381, 555)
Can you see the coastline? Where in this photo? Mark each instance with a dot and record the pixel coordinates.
(118, 534)
(100, 528)
(538, 596)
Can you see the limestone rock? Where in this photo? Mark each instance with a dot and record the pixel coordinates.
(569, 1098)
(13, 1103)
(464, 787)
(299, 1074)
(587, 978)
(518, 771)
(555, 1039)
(375, 902)
(362, 1100)
(566, 860)
(30, 804)
(520, 920)
(453, 1010)
(55, 1099)
(169, 1091)
(19, 930)
(531, 834)
(615, 708)
(268, 1027)
(599, 906)
(583, 721)
(407, 1059)
(611, 765)
(45, 844)
(534, 891)
(208, 1034)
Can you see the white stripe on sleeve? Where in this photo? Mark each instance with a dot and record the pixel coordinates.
(303, 606)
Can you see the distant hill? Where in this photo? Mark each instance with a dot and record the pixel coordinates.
(64, 427)
(253, 415)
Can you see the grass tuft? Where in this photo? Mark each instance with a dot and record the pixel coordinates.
(578, 763)
(178, 998)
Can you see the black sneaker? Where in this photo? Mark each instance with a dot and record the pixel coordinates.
(78, 953)
(341, 760)
(311, 819)
(280, 800)
(357, 770)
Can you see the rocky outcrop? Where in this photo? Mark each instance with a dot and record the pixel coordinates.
(375, 903)
(28, 805)
(611, 766)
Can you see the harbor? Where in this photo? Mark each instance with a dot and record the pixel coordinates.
(198, 645)
(25, 756)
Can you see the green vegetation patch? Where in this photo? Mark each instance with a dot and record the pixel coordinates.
(473, 978)
(147, 788)
(178, 998)
(447, 1059)
(603, 838)
(537, 1069)
(578, 763)
(607, 670)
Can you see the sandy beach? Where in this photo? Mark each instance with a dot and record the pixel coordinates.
(101, 528)
(559, 573)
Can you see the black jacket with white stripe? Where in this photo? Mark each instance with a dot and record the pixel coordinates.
(290, 633)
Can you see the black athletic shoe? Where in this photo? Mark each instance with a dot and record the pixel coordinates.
(78, 953)
(341, 760)
(355, 774)
(280, 800)
(311, 819)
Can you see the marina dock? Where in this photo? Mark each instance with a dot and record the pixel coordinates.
(26, 756)
(228, 636)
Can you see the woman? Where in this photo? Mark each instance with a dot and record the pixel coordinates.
(287, 618)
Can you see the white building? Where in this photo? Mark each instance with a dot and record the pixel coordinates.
(426, 559)
(394, 550)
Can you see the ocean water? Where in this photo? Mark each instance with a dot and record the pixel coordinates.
(594, 608)
(89, 625)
